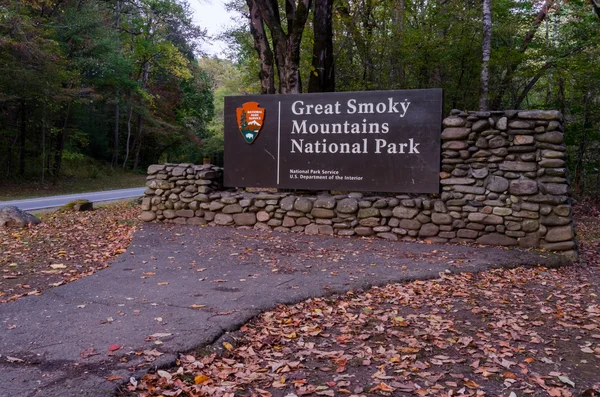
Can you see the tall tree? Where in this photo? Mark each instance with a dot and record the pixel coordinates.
(263, 49)
(486, 50)
(322, 77)
(286, 42)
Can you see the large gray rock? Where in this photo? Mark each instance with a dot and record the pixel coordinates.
(558, 234)
(555, 188)
(541, 115)
(410, 224)
(522, 125)
(453, 121)
(178, 171)
(367, 212)
(245, 219)
(347, 206)
(441, 219)
(405, 212)
(554, 137)
(322, 213)
(497, 184)
(303, 204)
(232, 209)
(451, 134)
(457, 181)
(287, 203)
(521, 187)
(518, 166)
(223, 219)
(147, 216)
(153, 169)
(325, 202)
(429, 230)
(502, 124)
(480, 125)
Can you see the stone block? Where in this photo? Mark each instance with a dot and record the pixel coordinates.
(455, 133)
(245, 219)
(453, 121)
(303, 204)
(554, 137)
(325, 202)
(232, 209)
(148, 216)
(518, 166)
(558, 234)
(263, 216)
(364, 231)
(223, 219)
(429, 230)
(522, 187)
(322, 213)
(497, 239)
(388, 236)
(185, 213)
(367, 213)
(497, 184)
(347, 206)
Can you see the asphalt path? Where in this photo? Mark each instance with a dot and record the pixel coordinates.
(58, 201)
(178, 288)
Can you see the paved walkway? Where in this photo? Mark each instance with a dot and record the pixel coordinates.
(232, 274)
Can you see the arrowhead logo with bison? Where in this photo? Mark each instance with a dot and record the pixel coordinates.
(250, 119)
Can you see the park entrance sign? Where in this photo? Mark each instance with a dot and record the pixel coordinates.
(380, 141)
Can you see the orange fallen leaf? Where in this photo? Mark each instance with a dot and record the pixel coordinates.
(113, 378)
(201, 379)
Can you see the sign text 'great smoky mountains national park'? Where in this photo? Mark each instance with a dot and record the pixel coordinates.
(379, 141)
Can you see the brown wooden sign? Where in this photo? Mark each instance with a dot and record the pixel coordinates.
(380, 141)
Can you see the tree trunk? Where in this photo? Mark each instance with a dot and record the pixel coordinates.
(138, 145)
(486, 49)
(286, 46)
(579, 166)
(263, 49)
(43, 144)
(322, 78)
(22, 140)
(60, 145)
(397, 66)
(515, 64)
(115, 156)
(128, 136)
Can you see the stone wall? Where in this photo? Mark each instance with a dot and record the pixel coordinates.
(503, 182)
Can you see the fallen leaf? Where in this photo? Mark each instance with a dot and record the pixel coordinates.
(114, 347)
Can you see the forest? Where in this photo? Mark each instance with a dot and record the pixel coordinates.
(98, 85)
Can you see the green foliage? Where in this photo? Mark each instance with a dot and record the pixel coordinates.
(69, 68)
(540, 59)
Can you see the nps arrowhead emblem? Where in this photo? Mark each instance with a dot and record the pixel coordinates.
(250, 118)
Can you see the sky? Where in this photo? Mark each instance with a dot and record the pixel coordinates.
(212, 16)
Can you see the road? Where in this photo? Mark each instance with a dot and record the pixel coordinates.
(58, 201)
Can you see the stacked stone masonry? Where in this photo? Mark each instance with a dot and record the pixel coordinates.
(503, 182)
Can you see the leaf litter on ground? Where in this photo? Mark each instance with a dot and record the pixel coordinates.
(510, 332)
(66, 246)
